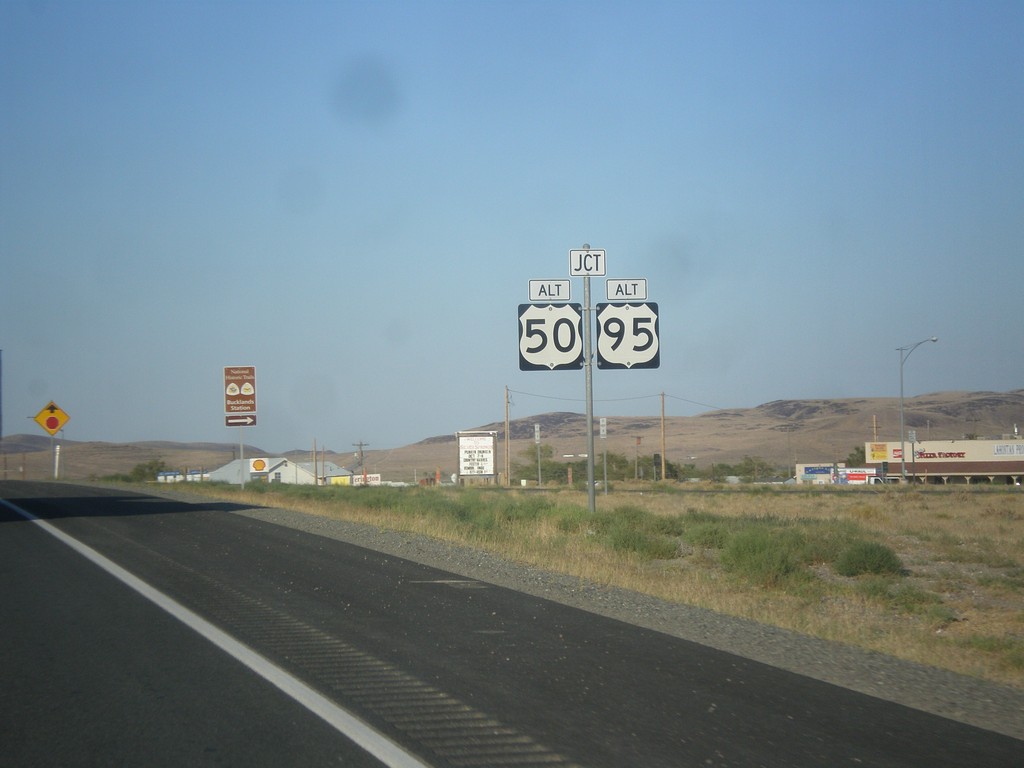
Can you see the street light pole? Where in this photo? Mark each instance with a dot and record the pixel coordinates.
(904, 354)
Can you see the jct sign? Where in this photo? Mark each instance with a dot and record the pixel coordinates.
(586, 262)
(239, 389)
(551, 334)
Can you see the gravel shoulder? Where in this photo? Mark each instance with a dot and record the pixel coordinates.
(970, 700)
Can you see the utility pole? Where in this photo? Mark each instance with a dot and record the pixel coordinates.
(663, 436)
(2, 412)
(904, 354)
(508, 477)
(360, 445)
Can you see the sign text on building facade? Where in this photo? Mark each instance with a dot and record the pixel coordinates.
(476, 453)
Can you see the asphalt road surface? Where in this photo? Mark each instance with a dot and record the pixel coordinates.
(186, 634)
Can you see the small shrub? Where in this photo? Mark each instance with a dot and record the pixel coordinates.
(668, 526)
(572, 519)
(707, 535)
(940, 615)
(865, 512)
(911, 599)
(1011, 581)
(626, 539)
(827, 539)
(861, 557)
(874, 588)
(763, 556)
(904, 598)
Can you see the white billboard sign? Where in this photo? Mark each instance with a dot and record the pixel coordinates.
(477, 453)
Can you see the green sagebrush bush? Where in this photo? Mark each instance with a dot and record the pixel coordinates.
(861, 557)
(765, 556)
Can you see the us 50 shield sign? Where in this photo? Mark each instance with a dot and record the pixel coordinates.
(550, 337)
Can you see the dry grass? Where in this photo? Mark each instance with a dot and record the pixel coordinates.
(958, 602)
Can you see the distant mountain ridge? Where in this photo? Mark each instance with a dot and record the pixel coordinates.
(994, 413)
(782, 432)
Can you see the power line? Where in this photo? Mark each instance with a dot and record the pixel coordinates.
(694, 402)
(618, 399)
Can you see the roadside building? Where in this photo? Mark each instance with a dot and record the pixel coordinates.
(189, 476)
(835, 473)
(998, 462)
(280, 470)
(357, 478)
(819, 473)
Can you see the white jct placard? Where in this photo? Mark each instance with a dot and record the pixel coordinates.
(627, 336)
(550, 337)
(584, 263)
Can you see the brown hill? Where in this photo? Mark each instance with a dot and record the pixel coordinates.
(781, 432)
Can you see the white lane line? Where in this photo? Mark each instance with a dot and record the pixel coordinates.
(349, 725)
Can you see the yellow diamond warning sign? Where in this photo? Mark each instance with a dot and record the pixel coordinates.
(52, 418)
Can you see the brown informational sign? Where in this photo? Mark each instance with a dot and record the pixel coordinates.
(239, 390)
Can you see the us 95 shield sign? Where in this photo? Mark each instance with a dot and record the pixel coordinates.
(550, 337)
(627, 336)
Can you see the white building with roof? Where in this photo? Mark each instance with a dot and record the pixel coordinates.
(278, 470)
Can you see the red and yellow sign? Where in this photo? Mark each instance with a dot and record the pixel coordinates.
(52, 418)
(879, 452)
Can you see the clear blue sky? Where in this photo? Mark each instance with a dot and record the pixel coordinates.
(353, 196)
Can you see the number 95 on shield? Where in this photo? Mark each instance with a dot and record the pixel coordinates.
(627, 336)
(550, 337)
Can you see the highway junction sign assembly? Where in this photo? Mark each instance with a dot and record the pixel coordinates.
(555, 335)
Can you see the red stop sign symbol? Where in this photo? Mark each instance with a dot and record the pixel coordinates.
(52, 423)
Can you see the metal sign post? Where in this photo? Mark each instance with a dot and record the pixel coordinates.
(585, 263)
(52, 419)
(240, 406)
(536, 440)
(604, 444)
(588, 366)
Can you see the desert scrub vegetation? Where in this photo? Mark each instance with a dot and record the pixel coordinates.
(931, 575)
